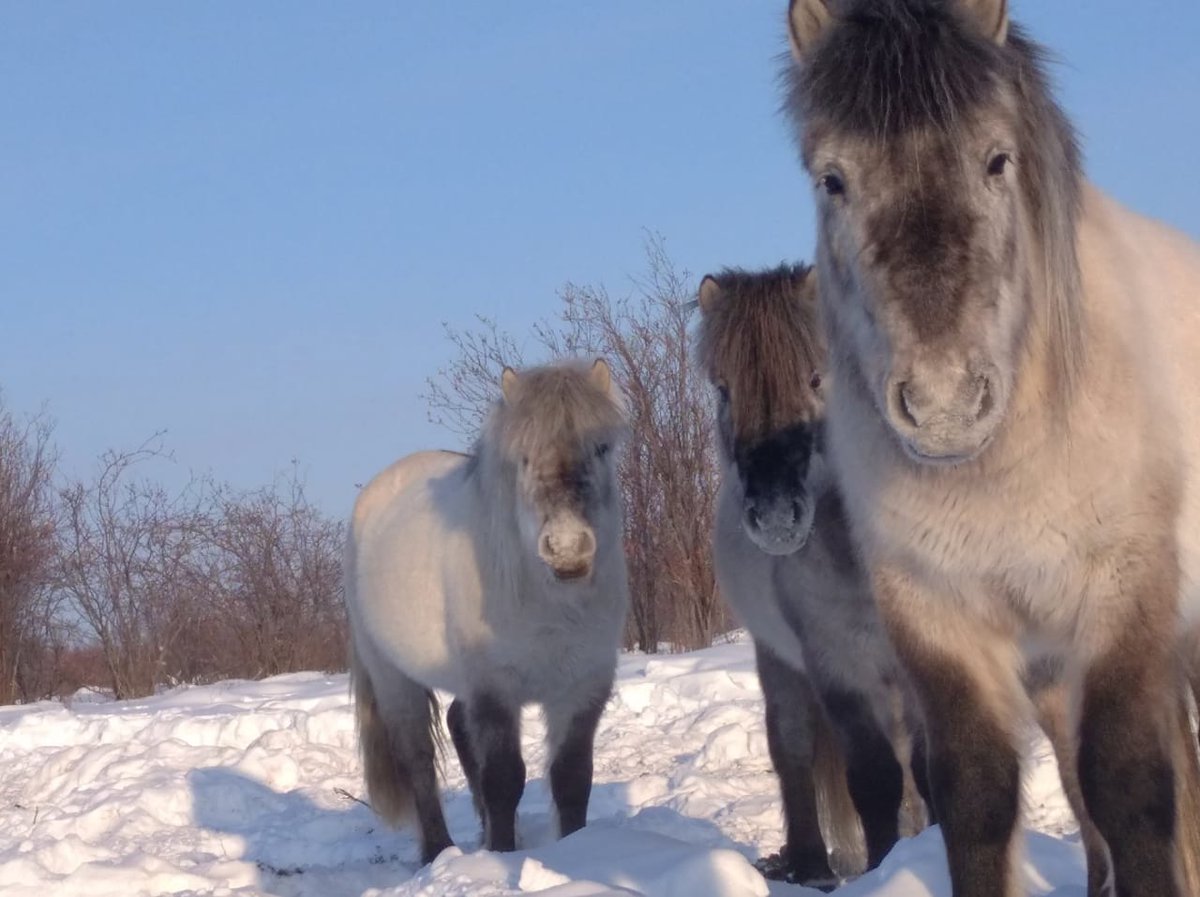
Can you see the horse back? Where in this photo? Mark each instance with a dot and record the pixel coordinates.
(406, 554)
(383, 489)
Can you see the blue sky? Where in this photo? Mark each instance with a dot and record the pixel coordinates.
(245, 223)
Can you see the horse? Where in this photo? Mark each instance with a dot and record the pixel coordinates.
(1014, 421)
(785, 564)
(498, 577)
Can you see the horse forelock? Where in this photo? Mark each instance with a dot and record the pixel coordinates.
(762, 341)
(888, 69)
(554, 411)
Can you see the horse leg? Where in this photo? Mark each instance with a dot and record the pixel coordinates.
(919, 764)
(571, 737)
(1048, 691)
(1190, 649)
(456, 722)
(397, 717)
(873, 774)
(907, 736)
(1127, 724)
(790, 723)
(965, 677)
(494, 733)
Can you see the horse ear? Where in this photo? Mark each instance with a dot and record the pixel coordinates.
(990, 15)
(710, 294)
(808, 287)
(807, 21)
(601, 375)
(508, 383)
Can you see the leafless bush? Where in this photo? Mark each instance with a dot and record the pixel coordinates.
(459, 396)
(204, 584)
(26, 555)
(275, 582)
(126, 555)
(668, 472)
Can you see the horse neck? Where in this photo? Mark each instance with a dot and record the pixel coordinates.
(1038, 409)
(1045, 396)
(494, 492)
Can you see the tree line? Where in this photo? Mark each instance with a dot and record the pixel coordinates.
(114, 582)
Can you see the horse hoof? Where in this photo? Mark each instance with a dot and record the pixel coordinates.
(433, 851)
(776, 868)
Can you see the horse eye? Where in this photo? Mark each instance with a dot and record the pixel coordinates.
(833, 184)
(815, 381)
(524, 460)
(602, 450)
(723, 392)
(998, 163)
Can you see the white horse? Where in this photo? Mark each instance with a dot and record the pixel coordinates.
(500, 578)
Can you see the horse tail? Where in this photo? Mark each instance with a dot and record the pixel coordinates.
(389, 755)
(908, 726)
(1047, 689)
(1187, 793)
(838, 816)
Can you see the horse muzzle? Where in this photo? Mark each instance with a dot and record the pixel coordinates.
(568, 551)
(572, 574)
(780, 527)
(944, 417)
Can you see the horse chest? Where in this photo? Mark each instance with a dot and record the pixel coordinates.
(971, 540)
(750, 581)
(1012, 553)
(538, 652)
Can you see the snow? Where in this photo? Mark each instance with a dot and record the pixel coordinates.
(248, 788)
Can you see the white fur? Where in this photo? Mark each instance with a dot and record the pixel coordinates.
(814, 616)
(441, 587)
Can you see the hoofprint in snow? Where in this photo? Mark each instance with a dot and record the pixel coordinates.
(248, 788)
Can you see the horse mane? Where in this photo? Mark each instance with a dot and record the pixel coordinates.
(761, 333)
(887, 68)
(553, 408)
(552, 405)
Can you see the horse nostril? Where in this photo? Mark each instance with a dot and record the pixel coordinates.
(752, 516)
(986, 400)
(797, 512)
(586, 544)
(906, 403)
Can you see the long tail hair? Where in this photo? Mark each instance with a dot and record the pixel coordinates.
(838, 817)
(1187, 792)
(387, 759)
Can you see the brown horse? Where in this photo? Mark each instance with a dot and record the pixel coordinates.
(1014, 419)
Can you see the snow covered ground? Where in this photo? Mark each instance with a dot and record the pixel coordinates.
(247, 788)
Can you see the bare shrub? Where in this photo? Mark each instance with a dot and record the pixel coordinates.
(275, 585)
(459, 396)
(125, 557)
(27, 534)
